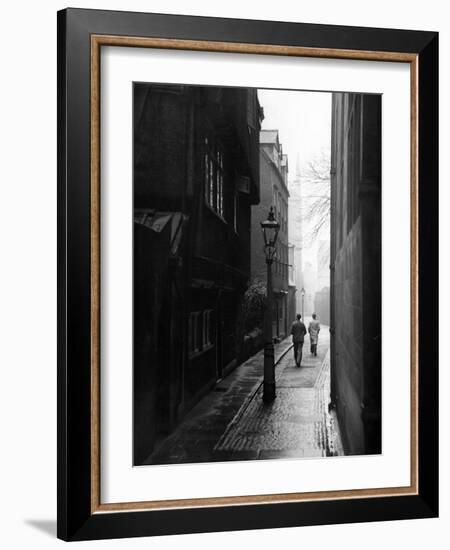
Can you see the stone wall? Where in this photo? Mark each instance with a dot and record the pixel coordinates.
(348, 337)
(355, 280)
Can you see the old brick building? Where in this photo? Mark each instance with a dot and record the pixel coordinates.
(274, 192)
(356, 270)
(196, 175)
(292, 291)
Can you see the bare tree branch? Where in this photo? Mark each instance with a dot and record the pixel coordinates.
(315, 180)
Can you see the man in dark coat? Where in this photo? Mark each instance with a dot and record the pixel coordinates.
(298, 332)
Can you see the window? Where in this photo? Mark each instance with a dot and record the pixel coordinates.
(200, 331)
(275, 201)
(213, 175)
(252, 109)
(207, 328)
(194, 332)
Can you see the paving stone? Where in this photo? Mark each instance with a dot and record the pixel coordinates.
(235, 424)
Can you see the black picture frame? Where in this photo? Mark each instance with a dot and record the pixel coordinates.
(76, 520)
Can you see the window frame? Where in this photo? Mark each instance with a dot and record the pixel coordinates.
(213, 170)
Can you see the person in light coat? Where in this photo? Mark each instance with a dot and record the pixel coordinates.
(314, 329)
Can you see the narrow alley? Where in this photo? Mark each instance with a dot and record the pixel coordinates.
(263, 209)
(233, 423)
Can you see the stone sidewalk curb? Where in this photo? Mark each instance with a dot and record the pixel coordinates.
(248, 400)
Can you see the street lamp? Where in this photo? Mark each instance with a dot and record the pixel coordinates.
(303, 292)
(270, 229)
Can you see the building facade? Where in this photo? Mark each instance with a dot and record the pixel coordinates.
(296, 223)
(322, 305)
(196, 175)
(356, 270)
(322, 295)
(273, 192)
(310, 287)
(292, 290)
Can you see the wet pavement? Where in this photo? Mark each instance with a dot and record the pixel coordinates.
(233, 423)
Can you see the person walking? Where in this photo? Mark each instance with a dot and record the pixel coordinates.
(314, 329)
(298, 332)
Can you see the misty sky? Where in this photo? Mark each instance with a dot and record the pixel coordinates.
(304, 123)
(303, 120)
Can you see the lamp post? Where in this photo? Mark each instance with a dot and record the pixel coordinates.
(270, 229)
(303, 292)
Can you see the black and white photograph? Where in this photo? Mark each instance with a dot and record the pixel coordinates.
(225, 267)
(256, 274)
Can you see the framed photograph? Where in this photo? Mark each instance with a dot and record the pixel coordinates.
(247, 257)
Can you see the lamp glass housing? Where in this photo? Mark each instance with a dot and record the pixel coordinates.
(270, 228)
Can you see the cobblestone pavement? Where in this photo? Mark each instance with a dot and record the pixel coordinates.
(233, 423)
(297, 424)
(194, 439)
